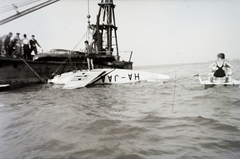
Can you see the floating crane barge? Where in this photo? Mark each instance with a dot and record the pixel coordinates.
(18, 72)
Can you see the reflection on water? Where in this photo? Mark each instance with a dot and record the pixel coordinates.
(124, 121)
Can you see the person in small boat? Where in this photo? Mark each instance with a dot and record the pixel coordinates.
(5, 43)
(220, 68)
(88, 52)
(33, 45)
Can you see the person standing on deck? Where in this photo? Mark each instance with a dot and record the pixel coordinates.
(26, 51)
(94, 38)
(5, 45)
(88, 52)
(33, 43)
(17, 45)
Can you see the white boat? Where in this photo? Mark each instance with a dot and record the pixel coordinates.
(79, 79)
(4, 86)
(218, 82)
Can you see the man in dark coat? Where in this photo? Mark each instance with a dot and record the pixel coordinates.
(5, 44)
(33, 43)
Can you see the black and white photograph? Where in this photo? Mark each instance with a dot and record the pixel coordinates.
(119, 79)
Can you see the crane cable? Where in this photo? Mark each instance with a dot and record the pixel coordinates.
(88, 30)
(8, 8)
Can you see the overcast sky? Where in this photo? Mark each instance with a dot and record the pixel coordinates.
(157, 31)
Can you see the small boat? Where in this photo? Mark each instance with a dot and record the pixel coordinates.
(4, 86)
(218, 82)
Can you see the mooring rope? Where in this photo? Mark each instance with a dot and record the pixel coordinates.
(70, 55)
(60, 66)
(41, 79)
(79, 41)
(174, 91)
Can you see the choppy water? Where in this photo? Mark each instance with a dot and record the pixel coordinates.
(175, 120)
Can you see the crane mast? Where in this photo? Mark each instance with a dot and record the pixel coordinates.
(107, 30)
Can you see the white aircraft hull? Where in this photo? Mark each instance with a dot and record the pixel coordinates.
(78, 79)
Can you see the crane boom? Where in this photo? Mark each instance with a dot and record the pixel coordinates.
(27, 11)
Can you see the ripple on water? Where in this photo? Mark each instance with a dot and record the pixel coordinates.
(123, 121)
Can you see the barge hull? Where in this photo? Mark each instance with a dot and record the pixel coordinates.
(17, 73)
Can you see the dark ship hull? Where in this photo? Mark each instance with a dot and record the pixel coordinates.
(18, 72)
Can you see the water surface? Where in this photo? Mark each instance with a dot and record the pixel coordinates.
(178, 119)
